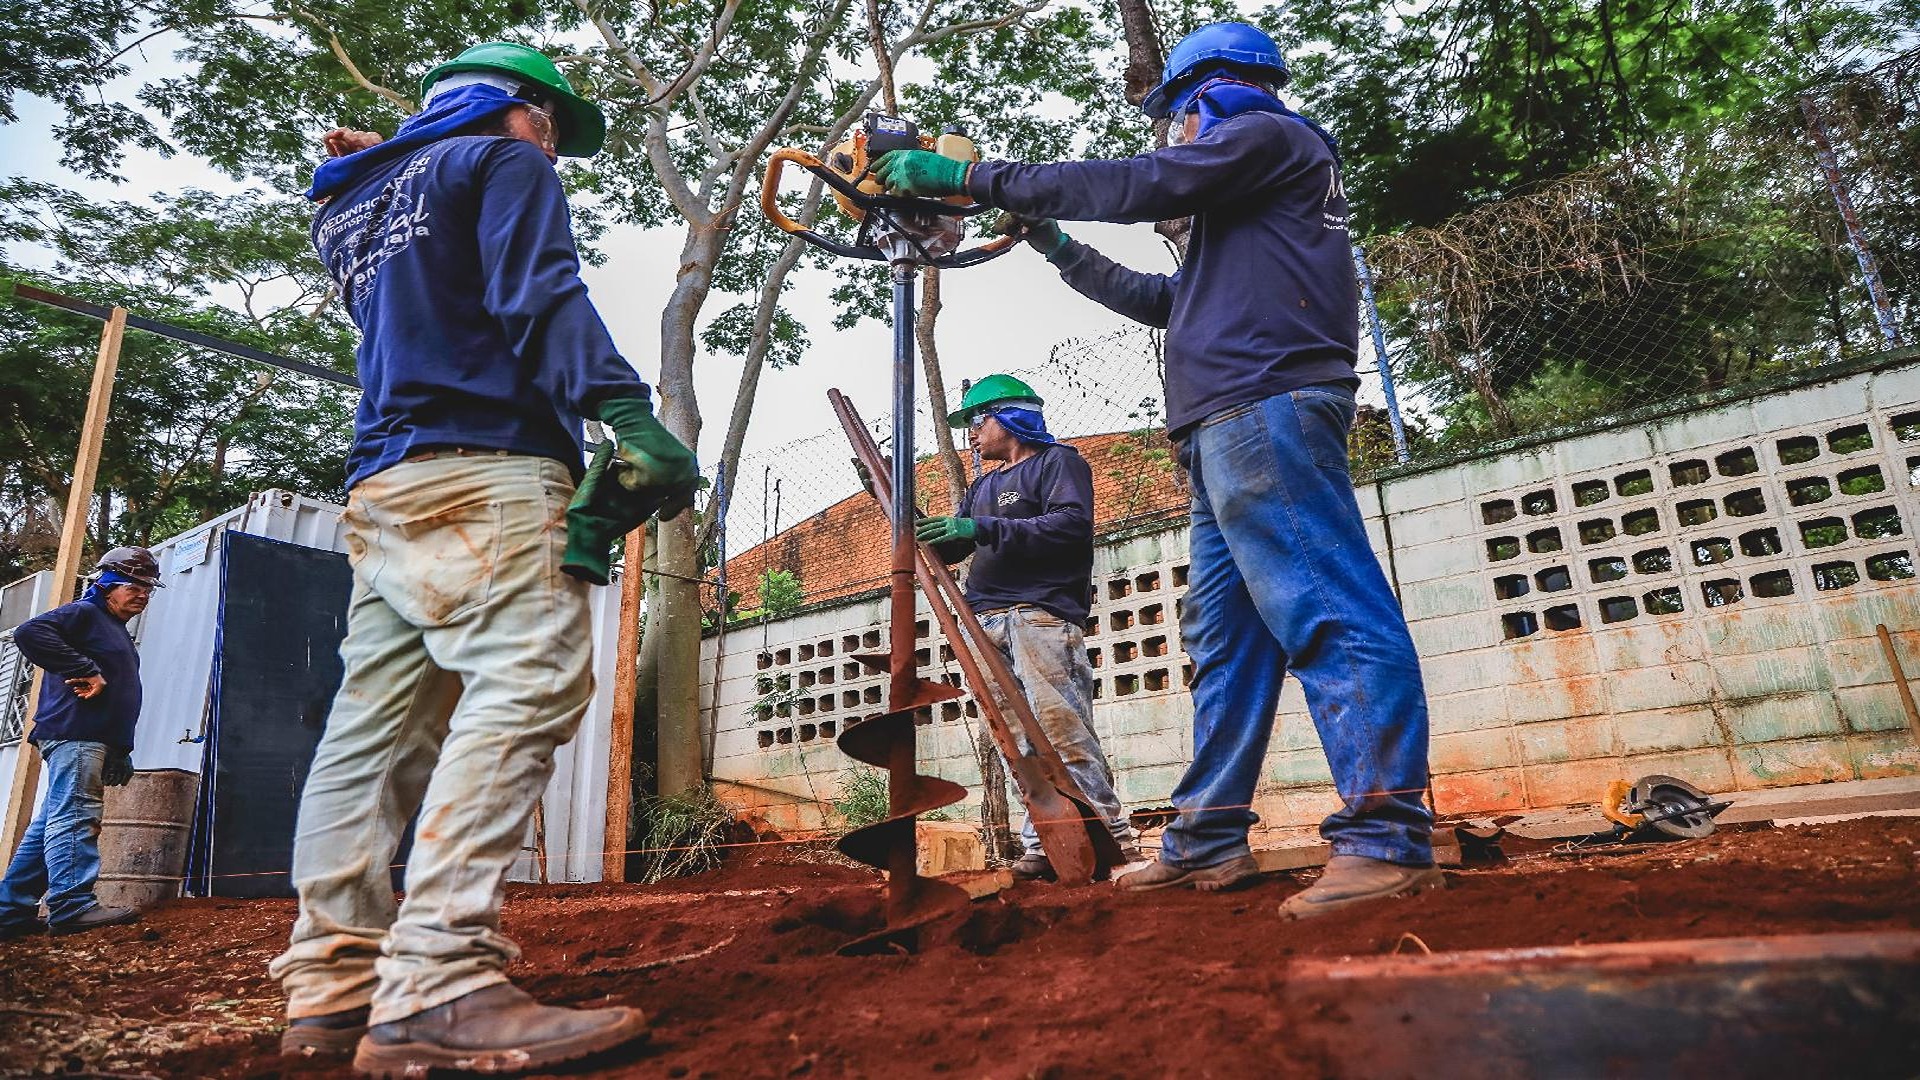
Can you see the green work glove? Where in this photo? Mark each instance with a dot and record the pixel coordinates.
(943, 530)
(921, 172)
(1042, 234)
(118, 769)
(643, 471)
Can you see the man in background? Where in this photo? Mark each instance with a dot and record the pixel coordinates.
(83, 727)
(1029, 527)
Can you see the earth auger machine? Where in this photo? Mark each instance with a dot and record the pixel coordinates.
(908, 233)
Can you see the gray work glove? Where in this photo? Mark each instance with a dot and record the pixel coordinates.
(118, 770)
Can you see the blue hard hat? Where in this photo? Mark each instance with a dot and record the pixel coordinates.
(1227, 42)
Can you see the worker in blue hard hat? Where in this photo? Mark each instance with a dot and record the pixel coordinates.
(1261, 340)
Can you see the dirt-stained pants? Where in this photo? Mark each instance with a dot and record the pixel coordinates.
(1049, 658)
(468, 660)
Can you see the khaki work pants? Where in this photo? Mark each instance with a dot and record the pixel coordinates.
(468, 661)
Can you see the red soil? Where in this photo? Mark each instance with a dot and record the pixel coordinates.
(737, 968)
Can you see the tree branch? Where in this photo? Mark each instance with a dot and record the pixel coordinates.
(405, 104)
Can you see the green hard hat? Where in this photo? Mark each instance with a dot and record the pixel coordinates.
(583, 127)
(990, 391)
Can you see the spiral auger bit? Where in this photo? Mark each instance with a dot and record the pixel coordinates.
(906, 233)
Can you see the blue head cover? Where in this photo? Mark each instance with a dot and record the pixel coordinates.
(1027, 425)
(449, 113)
(1217, 95)
(107, 580)
(1215, 45)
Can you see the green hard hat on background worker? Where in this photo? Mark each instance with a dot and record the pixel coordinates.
(583, 127)
(990, 391)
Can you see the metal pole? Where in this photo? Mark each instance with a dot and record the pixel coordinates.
(901, 594)
(1380, 355)
(1837, 187)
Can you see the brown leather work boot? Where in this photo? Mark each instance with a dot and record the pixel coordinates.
(497, 1029)
(94, 918)
(333, 1035)
(1235, 872)
(1356, 879)
(1033, 866)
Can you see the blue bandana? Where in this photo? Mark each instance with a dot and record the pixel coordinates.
(1027, 425)
(107, 580)
(1220, 96)
(448, 114)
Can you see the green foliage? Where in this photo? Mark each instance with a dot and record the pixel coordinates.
(781, 593)
(1441, 106)
(862, 799)
(192, 433)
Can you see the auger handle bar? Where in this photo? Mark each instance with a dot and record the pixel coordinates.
(882, 205)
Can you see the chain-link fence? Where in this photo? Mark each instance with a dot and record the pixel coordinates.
(1768, 245)
(1772, 244)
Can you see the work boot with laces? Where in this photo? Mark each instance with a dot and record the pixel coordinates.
(1221, 876)
(496, 1029)
(1356, 879)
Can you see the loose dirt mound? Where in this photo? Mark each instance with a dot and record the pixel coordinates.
(738, 967)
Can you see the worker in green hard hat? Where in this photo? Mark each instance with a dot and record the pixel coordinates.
(468, 651)
(1029, 527)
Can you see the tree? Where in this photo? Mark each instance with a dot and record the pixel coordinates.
(191, 433)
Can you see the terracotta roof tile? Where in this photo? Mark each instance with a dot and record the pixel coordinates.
(843, 550)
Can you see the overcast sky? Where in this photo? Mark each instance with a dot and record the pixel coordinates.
(1003, 315)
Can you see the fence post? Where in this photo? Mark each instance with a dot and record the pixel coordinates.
(1380, 355)
(1837, 187)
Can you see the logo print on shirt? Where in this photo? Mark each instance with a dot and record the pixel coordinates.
(1336, 189)
(376, 230)
(1008, 498)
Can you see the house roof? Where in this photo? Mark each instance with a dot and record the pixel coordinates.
(843, 550)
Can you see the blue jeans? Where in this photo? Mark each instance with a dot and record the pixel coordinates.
(59, 857)
(1283, 579)
(1049, 658)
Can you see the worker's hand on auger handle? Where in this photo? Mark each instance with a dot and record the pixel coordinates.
(1041, 234)
(921, 172)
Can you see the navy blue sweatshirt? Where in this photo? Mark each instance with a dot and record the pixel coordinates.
(1035, 539)
(1265, 302)
(74, 641)
(458, 264)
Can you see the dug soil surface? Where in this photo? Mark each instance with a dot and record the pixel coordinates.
(738, 970)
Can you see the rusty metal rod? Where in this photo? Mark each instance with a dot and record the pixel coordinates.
(1899, 678)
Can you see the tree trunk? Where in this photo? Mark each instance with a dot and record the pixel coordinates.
(1146, 62)
(923, 333)
(675, 621)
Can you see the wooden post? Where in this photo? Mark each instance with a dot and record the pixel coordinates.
(66, 564)
(1899, 678)
(626, 672)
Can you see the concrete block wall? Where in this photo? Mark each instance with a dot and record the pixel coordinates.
(1696, 596)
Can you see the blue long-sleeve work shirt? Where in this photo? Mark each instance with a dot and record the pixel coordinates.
(1266, 301)
(75, 641)
(457, 261)
(1034, 541)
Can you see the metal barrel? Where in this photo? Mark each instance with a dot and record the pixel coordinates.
(143, 839)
